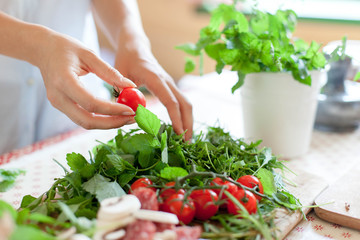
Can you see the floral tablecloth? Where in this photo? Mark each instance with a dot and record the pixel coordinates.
(330, 154)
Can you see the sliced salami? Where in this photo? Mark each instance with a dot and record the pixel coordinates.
(140, 230)
(188, 233)
(147, 198)
(160, 227)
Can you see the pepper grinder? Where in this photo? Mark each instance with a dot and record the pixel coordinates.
(339, 101)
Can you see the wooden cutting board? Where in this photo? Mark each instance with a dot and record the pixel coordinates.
(342, 200)
(306, 187)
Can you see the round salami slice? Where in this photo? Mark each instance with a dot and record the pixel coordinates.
(140, 230)
(188, 233)
(147, 198)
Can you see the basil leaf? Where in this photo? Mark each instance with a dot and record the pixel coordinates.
(147, 121)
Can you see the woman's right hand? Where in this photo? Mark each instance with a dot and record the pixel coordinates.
(62, 61)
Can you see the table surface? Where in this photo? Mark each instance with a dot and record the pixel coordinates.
(330, 156)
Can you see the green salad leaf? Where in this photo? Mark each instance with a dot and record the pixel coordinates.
(103, 188)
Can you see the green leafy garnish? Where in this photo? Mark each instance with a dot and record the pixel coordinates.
(8, 177)
(261, 43)
(155, 151)
(102, 188)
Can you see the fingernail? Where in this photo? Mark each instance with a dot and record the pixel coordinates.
(130, 122)
(128, 113)
(129, 82)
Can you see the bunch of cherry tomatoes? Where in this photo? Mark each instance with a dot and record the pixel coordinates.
(202, 204)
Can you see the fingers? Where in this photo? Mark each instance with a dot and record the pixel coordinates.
(77, 93)
(105, 71)
(179, 109)
(89, 120)
(186, 112)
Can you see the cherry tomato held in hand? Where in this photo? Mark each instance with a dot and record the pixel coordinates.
(167, 192)
(183, 209)
(205, 203)
(246, 198)
(251, 182)
(141, 182)
(131, 97)
(228, 186)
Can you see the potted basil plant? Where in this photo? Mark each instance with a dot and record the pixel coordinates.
(279, 77)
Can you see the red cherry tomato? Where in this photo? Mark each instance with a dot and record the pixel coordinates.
(141, 182)
(205, 203)
(246, 198)
(166, 193)
(251, 182)
(229, 186)
(131, 97)
(184, 210)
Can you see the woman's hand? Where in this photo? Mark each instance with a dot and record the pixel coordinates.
(136, 62)
(62, 62)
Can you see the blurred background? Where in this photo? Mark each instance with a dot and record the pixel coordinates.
(168, 23)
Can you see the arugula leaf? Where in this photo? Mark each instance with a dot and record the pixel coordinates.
(147, 121)
(286, 199)
(267, 180)
(102, 188)
(8, 177)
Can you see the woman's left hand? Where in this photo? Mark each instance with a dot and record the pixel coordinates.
(135, 61)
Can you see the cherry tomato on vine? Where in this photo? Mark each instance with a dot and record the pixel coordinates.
(142, 182)
(205, 203)
(167, 192)
(251, 182)
(246, 198)
(131, 97)
(183, 209)
(229, 186)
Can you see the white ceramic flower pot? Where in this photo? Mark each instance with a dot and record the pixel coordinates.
(280, 111)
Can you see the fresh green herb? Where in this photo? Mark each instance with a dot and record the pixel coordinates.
(156, 152)
(23, 225)
(8, 177)
(338, 54)
(260, 43)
